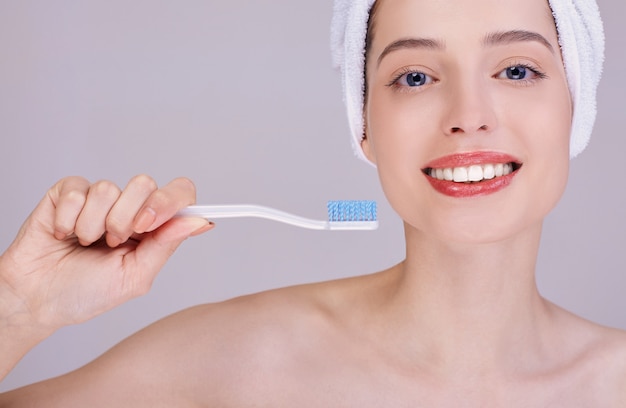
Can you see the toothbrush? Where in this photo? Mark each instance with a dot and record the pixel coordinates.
(342, 215)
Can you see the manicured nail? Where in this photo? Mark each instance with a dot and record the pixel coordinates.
(145, 220)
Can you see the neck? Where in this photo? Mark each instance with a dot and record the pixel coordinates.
(470, 304)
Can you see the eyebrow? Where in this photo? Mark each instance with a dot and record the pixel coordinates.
(508, 37)
(491, 39)
(411, 43)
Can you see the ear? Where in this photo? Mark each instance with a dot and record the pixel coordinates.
(368, 148)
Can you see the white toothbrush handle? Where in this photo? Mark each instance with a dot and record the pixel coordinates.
(233, 211)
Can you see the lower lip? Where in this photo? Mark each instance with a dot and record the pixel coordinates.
(463, 190)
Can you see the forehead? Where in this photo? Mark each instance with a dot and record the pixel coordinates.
(463, 20)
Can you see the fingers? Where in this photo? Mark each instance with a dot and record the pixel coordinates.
(68, 197)
(93, 211)
(91, 225)
(164, 203)
(120, 220)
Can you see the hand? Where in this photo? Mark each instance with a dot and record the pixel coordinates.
(87, 248)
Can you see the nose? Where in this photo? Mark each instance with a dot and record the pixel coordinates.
(470, 110)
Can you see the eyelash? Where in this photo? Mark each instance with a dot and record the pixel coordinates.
(405, 71)
(539, 75)
(521, 82)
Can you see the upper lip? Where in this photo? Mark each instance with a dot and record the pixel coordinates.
(471, 158)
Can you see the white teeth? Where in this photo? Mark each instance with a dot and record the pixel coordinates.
(459, 175)
(499, 169)
(489, 172)
(439, 174)
(472, 173)
(475, 173)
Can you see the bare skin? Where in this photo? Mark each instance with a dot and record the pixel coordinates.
(459, 323)
(331, 344)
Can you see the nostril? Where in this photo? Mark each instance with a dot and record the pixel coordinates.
(460, 129)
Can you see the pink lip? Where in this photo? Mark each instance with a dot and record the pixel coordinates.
(463, 190)
(467, 159)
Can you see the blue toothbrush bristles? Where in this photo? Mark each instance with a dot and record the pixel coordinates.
(351, 211)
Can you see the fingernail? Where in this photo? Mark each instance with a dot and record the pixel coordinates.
(145, 220)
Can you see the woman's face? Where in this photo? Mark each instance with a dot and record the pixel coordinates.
(460, 94)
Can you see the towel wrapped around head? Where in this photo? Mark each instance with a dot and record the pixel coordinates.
(581, 38)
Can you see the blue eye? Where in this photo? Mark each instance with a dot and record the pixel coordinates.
(413, 79)
(517, 72)
(520, 73)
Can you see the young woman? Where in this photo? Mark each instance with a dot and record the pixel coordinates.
(474, 91)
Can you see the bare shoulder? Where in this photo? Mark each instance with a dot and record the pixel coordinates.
(248, 346)
(229, 353)
(610, 355)
(600, 359)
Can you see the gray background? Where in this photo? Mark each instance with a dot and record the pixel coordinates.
(240, 97)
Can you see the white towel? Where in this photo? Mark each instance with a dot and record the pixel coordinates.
(581, 37)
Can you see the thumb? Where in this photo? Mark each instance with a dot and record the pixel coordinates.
(157, 247)
(180, 228)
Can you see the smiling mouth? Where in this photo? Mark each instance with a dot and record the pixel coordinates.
(475, 173)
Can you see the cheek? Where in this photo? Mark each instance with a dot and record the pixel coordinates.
(401, 134)
(550, 143)
(400, 129)
(546, 145)
(553, 170)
